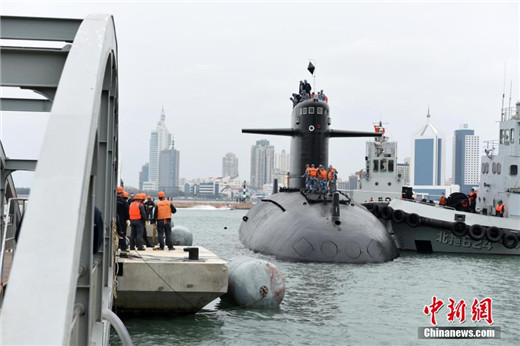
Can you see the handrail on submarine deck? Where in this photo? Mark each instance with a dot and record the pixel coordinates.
(78, 164)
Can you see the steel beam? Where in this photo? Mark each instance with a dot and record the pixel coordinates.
(31, 28)
(19, 165)
(31, 67)
(24, 105)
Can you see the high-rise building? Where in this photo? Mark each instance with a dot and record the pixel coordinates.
(404, 170)
(465, 160)
(262, 163)
(427, 156)
(143, 175)
(230, 165)
(282, 161)
(160, 139)
(169, 160)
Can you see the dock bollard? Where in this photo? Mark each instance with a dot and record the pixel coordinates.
(193, 253)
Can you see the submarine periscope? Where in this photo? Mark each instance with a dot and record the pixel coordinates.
(295, 225)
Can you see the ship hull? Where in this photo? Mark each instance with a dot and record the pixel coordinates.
(295, 227)
(431, 229)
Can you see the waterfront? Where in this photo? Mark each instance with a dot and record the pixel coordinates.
(339, 304)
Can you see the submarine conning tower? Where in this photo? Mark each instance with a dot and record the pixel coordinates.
(310, 134)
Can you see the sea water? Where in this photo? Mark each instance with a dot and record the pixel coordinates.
(340, 304)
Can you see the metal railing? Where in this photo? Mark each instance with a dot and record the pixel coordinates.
(8, 244)
(57, 275)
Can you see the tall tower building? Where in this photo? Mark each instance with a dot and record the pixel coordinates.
(230, 165)
(143, 175)
(465, 163)
(427, 156)
(262, 163)
(282, 161)
(160, 139)
(169, 162)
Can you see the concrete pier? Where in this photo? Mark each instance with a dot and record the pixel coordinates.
(168, 282)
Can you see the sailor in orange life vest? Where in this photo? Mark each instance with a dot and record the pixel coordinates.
(500, 209)
(163, 216)
(472, 200)
(137, 220)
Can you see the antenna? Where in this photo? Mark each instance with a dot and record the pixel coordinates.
(510, 92)
(503, 93)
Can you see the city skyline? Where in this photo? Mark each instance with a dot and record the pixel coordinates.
(226, 70)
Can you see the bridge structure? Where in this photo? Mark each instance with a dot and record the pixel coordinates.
(60, 287)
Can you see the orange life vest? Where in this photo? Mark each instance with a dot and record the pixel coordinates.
(164, 210)
(307, 171)
(134, 211)
(331, 173)
(313, 172)
(322, 174)
(442, 201)
(472, 196)
(500, 209)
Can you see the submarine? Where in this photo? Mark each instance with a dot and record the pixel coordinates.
(295, 225)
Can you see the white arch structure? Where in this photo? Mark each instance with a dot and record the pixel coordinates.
(57, 287)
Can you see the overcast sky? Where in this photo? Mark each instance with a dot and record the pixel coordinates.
(218, 67)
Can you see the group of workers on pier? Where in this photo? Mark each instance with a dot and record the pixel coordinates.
(320, 180)
(305, 93)
(139, 211)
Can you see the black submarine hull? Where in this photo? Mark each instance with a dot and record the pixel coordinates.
(293, 227)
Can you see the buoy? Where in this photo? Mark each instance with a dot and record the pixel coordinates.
(182, 236)
(254, 283)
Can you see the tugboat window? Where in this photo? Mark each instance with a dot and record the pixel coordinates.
(297, 120)
(320, 110)
(301, 111)
(329, 121)
(305, 111)
(499, 168)
(494, 168)
(390, 165)
(383, 165)
(311, 110)
(513, 170)
(487, 167)
(501, 137)
(376, 166)
(512, 136)
(483, 167)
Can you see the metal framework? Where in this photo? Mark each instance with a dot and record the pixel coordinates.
(57, 286)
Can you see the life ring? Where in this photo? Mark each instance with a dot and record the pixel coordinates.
(386, 212)
(509, 240)
(459, 229)
(413, 220)
(494, 234)
(398, 216)
(476, 232)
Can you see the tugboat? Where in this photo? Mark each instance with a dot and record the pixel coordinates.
(296, 225)
(425, 227)
(379, 181)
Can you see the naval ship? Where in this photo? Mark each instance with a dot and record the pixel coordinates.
(425, 227)
(295, 225)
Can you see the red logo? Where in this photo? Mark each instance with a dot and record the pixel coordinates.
(480, 310)
(433, 308)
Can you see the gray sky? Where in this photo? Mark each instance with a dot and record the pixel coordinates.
(220, 67)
